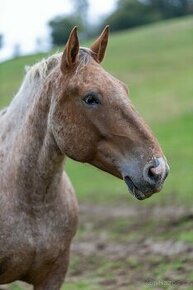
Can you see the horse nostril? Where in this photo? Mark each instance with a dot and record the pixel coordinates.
(154, 171)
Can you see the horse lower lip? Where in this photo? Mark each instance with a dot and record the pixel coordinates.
(129, 183)
(133, 189)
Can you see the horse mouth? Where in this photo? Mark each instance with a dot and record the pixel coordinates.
(134, 190)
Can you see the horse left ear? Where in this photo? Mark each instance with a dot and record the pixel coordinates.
(71, 50)
(100, 45)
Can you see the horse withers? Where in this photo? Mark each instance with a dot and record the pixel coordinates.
(68, 105)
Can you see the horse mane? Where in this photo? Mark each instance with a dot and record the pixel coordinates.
(42, 69)
(39, 73)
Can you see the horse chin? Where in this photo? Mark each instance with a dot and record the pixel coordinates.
(134, 190)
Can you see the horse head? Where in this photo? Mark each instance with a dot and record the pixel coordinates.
(94, 121)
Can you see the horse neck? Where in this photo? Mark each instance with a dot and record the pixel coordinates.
(34, 155)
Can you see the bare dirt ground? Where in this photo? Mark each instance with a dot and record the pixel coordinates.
(128, 247)
(134, 247)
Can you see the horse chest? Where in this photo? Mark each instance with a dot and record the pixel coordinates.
(16, 244)
(50, 227)
(29, 241)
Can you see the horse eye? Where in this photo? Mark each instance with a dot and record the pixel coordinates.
(91, 100)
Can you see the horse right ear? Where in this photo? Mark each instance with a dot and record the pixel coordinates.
(71, 50)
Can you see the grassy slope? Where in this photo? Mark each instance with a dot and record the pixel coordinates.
(157, 63)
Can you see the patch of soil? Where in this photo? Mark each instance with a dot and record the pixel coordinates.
(136, 252)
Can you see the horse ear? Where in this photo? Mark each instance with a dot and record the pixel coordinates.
(100, 45)
(71, 50)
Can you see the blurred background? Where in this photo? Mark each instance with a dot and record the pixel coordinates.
(122, 243)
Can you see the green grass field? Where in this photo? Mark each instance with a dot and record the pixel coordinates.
(156, 62)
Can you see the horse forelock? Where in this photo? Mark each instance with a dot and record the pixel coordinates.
(85, 57)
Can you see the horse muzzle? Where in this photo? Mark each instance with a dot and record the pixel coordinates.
(150, 181)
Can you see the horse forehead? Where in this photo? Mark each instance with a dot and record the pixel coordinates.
(96, 75)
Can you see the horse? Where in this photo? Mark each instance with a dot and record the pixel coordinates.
(67, 106)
